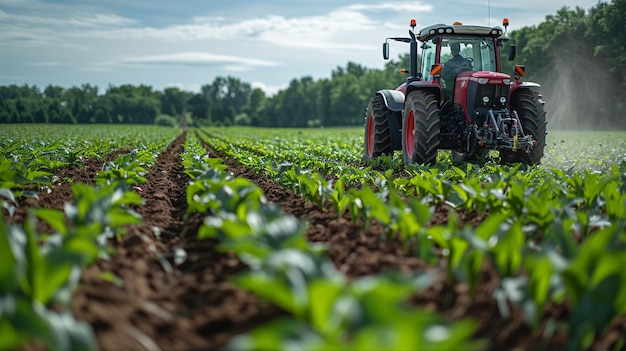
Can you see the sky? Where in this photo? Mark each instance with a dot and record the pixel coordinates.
(188, 43)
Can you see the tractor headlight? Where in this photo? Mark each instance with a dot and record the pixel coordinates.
(503, 100)
(486, 99)
(507, 81)
(483, 81)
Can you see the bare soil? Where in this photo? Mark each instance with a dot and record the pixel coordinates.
(158, 303)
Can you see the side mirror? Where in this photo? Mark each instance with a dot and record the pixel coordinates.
(386, 50)
(512, 51)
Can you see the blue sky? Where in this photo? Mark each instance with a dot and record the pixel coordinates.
(188, 43)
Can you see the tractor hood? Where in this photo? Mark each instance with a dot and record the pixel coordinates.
(484, 77)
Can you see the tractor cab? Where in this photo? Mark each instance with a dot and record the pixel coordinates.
(450, 51)
(457, 54)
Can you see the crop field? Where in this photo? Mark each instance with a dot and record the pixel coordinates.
(154, 238)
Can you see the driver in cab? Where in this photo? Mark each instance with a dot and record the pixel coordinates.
(456, 64)
(451, 68)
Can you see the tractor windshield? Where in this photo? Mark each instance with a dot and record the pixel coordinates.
(464, 53)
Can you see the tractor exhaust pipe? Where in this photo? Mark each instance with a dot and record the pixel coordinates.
(413, 54)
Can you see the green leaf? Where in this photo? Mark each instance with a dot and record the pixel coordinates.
(374, 206)
(11, 339)
(84, 245)
(271, 288)
(121, 197)
(35, 265)
(324, 296)
(38, 176)
(540, 273)
(74, 334)
(57, 267)
(458, 249)
(54, 218)
(8, 264)
(118, 217)
(490, 226)
(30, 322)
(285, 333)
(7, 194)
(507, 252)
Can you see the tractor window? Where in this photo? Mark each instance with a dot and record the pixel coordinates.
(478, 50)
(487, 54)
(467, 47)
(429, 55)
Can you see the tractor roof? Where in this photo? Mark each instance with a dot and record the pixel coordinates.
(459, 29)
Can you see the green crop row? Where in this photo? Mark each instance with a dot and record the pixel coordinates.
(53, 146)
(531, 236)
(271, 152)
(38, 272)
(132, 167)
(32, 153)
(326, 310)
(546, 232)
(551, 235)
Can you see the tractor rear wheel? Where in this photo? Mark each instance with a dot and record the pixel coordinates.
(377, 133)
(420, 128)
(531, 112)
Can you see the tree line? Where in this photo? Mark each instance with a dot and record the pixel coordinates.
(335, 101)
(577, 55)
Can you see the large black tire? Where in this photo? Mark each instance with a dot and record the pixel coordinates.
(420, 128)
(530, 109)
(377, 132)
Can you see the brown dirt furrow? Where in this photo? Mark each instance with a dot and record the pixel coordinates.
(158, 303)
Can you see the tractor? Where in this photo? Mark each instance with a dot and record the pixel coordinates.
(458, 99)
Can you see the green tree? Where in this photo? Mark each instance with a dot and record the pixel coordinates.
(228, 96)
(297, 104)
(174, 102)
(198, 106)
(130, 104)
(255, 106)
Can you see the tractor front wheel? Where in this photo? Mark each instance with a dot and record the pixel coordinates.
(531, 112)
(420, 128)
(377, 133)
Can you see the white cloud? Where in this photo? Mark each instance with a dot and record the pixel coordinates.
(204, 58)
(301, 32)
(80, 21)
(329, 32)
(32, 30)
(197, 58)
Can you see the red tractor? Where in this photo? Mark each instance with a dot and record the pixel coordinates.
(458, 100)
